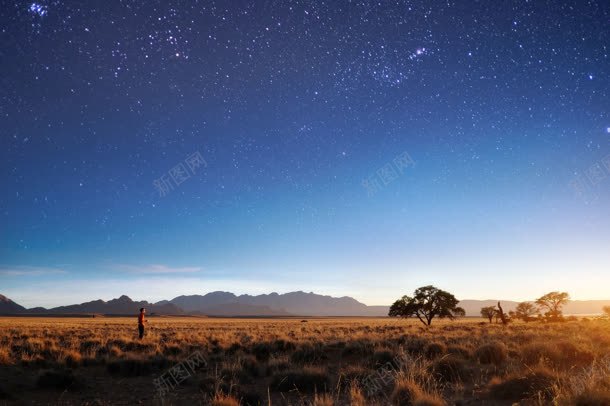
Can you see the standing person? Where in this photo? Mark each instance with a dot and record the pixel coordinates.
(141, 321)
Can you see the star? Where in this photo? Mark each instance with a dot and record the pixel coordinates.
(38, 9)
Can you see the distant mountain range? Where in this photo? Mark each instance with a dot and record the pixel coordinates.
(8, 306)
(273, 304)
(122, 305)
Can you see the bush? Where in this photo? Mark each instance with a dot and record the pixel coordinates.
(459, 351)
(538, 383)
(308, 354)
(276, 365)
(405, 392)
(90, 345)
(414, 345)
(250, 365)
(450, 369)
(73, 359)
(262, 351)
(382, 357)
(492, 353)
(434, 350)
(283, 345)
(360, 348)
(563, 354)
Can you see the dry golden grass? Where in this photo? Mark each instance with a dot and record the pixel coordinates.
(324, 361)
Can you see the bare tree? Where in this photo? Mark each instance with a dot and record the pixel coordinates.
(502, 315)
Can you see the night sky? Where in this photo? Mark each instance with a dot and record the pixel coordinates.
(160, 148)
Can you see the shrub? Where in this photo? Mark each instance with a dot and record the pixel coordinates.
(563, 354)
(405, 392)
(5, 356)
(283, 345)
(90, 345)
(572, 355)
(434, 350)
(262, 351)
(308, 354)
(250, 365)
(277, 365)
(449, 369)
(459, 351)
(381, 357)
(360, 348)
(72, 359)
(538, 383)
(233, 348)
(354, 373)
(414, 345)
(492, 353)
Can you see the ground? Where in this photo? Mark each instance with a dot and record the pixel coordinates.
(313, 361)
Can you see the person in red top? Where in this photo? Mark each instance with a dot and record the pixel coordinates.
(141, 321)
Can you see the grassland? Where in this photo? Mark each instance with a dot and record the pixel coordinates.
(339, 361)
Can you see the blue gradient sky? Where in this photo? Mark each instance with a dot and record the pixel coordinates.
(292, 105)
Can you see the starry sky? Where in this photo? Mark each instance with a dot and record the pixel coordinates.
(361, 148)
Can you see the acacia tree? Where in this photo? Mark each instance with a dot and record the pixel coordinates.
(489, 312)
(427, 303)
(526, 311)
(553, 303)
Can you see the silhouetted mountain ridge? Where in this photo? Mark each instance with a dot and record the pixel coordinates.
(297, 303)
(121, 305)
(7, 306)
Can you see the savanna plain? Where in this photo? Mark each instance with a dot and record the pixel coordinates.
(313, 361)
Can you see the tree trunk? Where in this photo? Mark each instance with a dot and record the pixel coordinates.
(502, 315)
